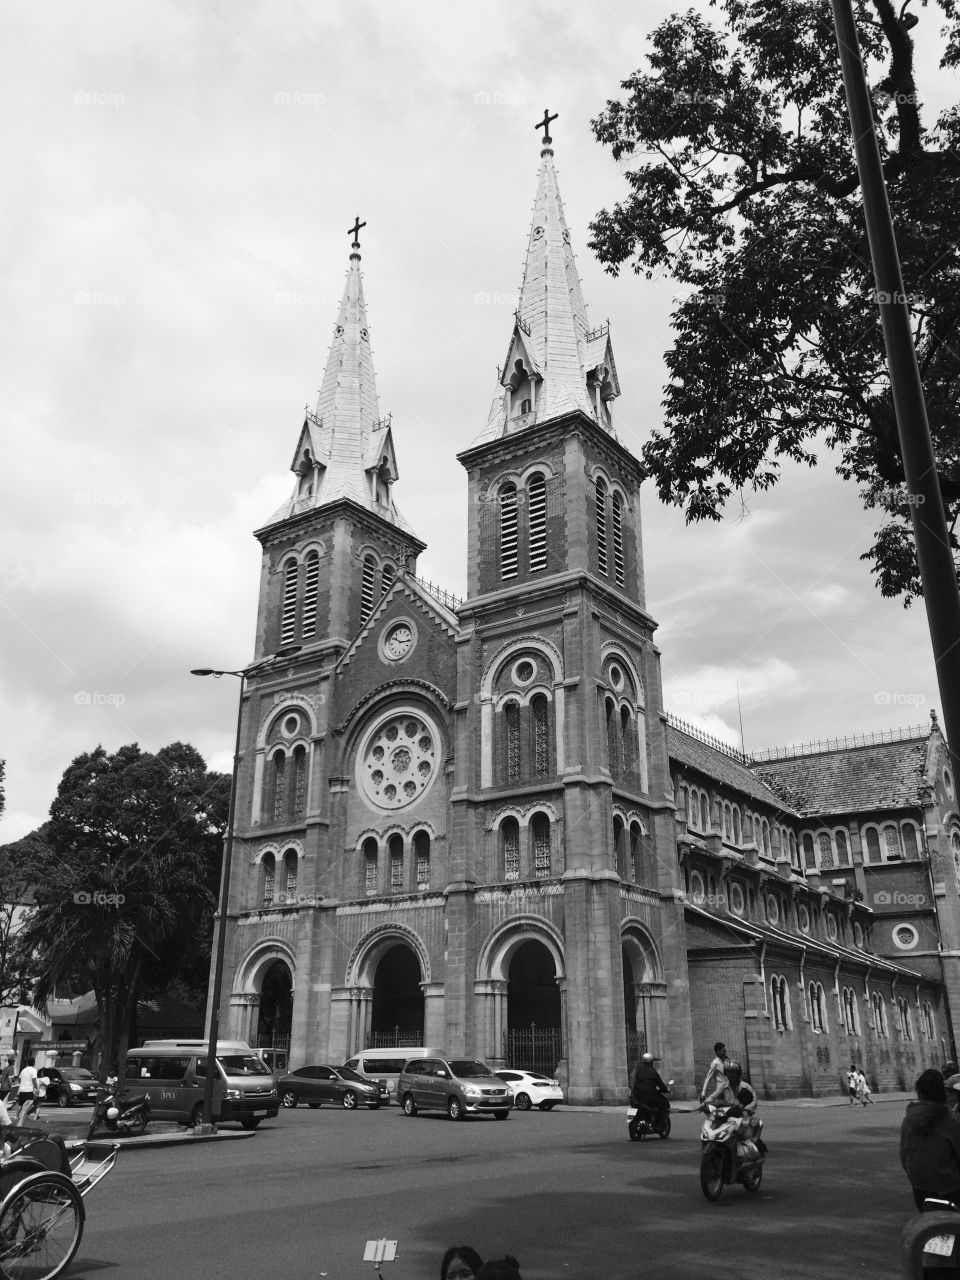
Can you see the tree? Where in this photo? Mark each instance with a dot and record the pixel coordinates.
(126, 901)
(22, 865)
(743, 188)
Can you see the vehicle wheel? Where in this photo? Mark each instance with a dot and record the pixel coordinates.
(41, 1222)
(314, 1106)
(249, 1122)
(500, 1115)
(137, 1126)
(711, 1175)
(547, 1106)
(62, 1100)
(633, 1130)
(196, 1116)
(522, 1102)
(752, 1179)
(349, 1101)
(288, 1098)
(408, 1104)
(665, 1131)
(454, 1109)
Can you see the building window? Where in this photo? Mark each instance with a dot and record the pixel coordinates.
(911, 847)
(737, 836)
(299, 781)
(541, 735)
(843, 850)
(601, 510)
(387, 575)
(891, 843)
(871, 840)
(508, 531)
(540, 828)
(613, 741)
(537, 522)
(636, 852)
(880, 1015)
(290, 875)
(617, 523)
(370, 859)
(395, 847)
(269, 865)
(511, 716)
(619, 847)
(906, 1022)
(510, 848)
(780, 998)
(765, 838)
(794, 851)
(826, 850)
(288, 624)
(310, 587)
(628, 744)
(279, 786)
(366, 588)
(421, 849)
(818, 1017)
(704, 812)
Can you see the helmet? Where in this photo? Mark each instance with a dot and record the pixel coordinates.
(646, 1057)
(734, 1066)
(112, 1113)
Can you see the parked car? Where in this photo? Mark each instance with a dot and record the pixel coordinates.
(69, 1086)
(314, 1085)
(530, 1089)
(459, 1086)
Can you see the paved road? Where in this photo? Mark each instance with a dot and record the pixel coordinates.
(566, 1192)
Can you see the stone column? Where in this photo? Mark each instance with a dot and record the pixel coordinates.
(434, 1017)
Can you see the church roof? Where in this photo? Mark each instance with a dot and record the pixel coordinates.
(551, 341)
(853, 779)
(344, 445)
(725, 769)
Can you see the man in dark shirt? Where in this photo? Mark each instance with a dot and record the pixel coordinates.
(649, 1090)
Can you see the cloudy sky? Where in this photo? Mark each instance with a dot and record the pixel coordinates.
(179, 179)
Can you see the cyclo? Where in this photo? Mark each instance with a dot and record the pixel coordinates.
(41, 1201)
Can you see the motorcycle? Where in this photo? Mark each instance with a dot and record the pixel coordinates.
(642, 1121)
(119, 1113)
(727, 1155)
(930, 1241)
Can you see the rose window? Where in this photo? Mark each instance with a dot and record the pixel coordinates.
(397, 761)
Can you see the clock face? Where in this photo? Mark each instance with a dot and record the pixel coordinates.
(398, 642)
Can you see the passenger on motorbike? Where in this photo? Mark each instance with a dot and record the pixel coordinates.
(649, 1090)
(736, 1093)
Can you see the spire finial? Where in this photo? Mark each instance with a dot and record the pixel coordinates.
(544, 124)
(355, 232)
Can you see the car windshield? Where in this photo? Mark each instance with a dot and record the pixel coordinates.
(345, 1073)
(78, 1073)
(242, 1064)
(467, 1069)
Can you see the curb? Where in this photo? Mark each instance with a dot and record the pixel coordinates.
(159, 1140)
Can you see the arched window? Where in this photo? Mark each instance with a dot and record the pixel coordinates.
(395, 850)
(540, 831)
(737, 838)
(891, 843)
(826, 850)
(510, 848)
(619, 847)
(370, 859)
(727, 822)
(818, 1016)
(843, 850)
(748, 828)
(880, 1015)
(704, 812)
(780, 999)
(387, 575)
(537, 522)
(636, 852)
(421, 848)
(290, 875)
(871, 840)
(693, 809)
(508, 531)
(540, 710)
(601, 512)
(794, 850)
(809, 855)
(617, 522)
(511, 718)
(613, 740)
(765, 837)
(911, 847)
(288, 623)
(628, 744)
(299, 781)
(906, 1020)
(366, 588)
(279, 786)
(310, 586)
(268, 878)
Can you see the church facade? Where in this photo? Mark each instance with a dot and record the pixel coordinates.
(471, 823)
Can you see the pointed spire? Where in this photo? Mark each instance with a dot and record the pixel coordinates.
(555, 363)
(345, 449)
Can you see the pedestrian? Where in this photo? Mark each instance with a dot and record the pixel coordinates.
(863, 1089)
(505, 1268)
(26, 1090)
(930, 1142)
(7, 1074)
(852, 1075)
(460, 1263)
(716, 1071)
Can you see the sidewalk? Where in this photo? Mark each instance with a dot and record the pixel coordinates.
(160, 1133)
(687, 1105)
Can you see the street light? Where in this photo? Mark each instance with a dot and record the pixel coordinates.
(263, 665)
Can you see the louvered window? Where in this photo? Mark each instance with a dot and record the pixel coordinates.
(601, 507)
(541, 845)
(366, 588)
(279, 786)
(510, 835)
(288, 626)
(508, 531)
(421, 845)
(537, 517)
(511, 714)
(299, 781)
(310, 585)
(387, 575)
(617, 522)
(541, 736)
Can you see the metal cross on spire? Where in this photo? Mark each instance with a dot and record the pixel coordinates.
(355, 232)
(544, 124)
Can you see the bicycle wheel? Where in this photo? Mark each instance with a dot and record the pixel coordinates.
(41, 1222)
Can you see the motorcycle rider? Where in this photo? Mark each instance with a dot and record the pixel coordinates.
(736, 1092)
(649, 1090)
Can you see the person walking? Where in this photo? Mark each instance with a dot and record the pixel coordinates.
(26, 1091)
(930, 1142)
(716, 1071)
(852, 1080)
(863, 1089)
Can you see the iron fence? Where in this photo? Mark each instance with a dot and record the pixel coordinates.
(533, 1049)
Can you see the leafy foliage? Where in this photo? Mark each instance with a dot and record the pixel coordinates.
(22, 865)
(743, 187)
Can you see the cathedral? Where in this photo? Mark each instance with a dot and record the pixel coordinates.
(473, 824)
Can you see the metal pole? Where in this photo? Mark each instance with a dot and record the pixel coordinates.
(934, 556)
(214, 1033)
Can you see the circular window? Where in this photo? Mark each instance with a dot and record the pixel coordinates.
(397, 640)
(397, 760)
(858, 935)
(616, 676)
(773, 909)
(524, 671)
(803, 918)
(905, 937)
(290, 726)
(831, 925)
(697, 892)
(948, 783)
(737, 903)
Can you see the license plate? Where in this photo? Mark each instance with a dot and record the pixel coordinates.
(259, 1113)
(940, 1245)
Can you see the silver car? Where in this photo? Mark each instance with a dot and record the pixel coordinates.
(459, 1086)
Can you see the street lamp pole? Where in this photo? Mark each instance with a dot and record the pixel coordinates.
(214, 1035)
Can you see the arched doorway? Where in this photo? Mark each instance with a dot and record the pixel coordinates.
(644, 994)
(533, 1038)
(276, 1007)
(397, 1013)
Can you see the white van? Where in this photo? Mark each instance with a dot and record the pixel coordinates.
(172, 1073)
(383, 1066)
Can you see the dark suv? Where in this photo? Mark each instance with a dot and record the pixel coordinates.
(459, 1086)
